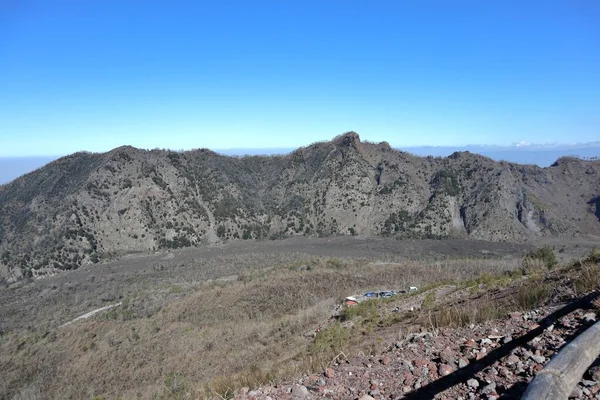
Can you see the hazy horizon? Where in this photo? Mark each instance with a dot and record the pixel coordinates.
(508, 80)
(542, 155)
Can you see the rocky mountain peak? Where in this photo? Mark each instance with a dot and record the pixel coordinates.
(348, 139)
(84, 207)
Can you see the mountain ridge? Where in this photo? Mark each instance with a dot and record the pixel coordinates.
(542, 155)
(88, 206)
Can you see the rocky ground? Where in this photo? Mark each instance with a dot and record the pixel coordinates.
(488, 361)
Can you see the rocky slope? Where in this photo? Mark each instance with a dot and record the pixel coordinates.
(85, 207)
(485, 339)
(447, 364)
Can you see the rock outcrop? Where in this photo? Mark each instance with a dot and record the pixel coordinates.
(85, 207)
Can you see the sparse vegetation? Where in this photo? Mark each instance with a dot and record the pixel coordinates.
(96, 206)
(457, 316)
(429, 300)
(261, 321)
(594, 256)
(367, 310)
(217, 320)
(447, 181)
(263, 317)
(544, 255)
(589, 275)
(533, 294)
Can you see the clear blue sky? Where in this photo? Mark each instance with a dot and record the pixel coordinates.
(96, 74)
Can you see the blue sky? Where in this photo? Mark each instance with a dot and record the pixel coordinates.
(96, 74)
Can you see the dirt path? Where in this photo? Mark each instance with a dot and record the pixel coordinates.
(91, 313)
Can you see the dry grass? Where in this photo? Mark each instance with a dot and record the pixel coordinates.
(589, 275)
(176, 340)
(209, 340)
(498, 296)
(532, 266)
(533, 294)
(455, 316)
(508, 292)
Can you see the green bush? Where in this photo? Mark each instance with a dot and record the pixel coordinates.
(366, 309)
(335, 263)
(328, 343)
(447, 181)
(429, 300)
(544, 254)
(594, 256)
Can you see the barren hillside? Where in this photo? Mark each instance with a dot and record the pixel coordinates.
(87, 207)
(207, 323)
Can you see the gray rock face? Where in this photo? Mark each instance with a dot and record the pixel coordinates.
(85, 207)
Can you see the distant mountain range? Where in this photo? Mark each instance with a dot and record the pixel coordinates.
(542, 155)
(85, 207)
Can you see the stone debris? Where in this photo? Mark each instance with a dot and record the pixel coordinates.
(420, 359)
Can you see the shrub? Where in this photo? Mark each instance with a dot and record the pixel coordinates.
(532, 266)
(532, 295)
(366, 309)
(447, 181)
(335, 263)
(544, 254)
(328, 344)
(594, 256)
(252, 377)
(429, 300)
(396, 222)
(588, 279)
(126, 184)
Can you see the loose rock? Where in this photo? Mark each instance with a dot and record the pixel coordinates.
(473, 383)
(445, 369)
(299, 392)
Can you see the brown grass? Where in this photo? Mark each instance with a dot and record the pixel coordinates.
(507, 292)
(533, 294)
(455, 316)
(203, 340)
(589, 277)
